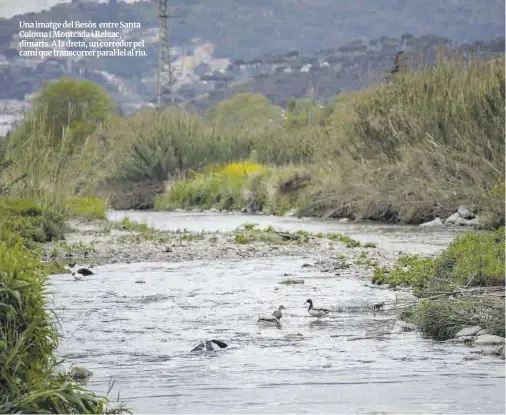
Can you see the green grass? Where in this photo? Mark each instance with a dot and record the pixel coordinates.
(86, 207)
(126, 224)
(473, 259)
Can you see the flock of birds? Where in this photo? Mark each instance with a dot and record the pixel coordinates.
(274, 317)
(208, 345)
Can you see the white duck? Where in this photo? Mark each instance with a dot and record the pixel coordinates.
(316, 312)
(273, 317)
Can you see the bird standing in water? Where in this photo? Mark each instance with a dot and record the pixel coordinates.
(316, 312)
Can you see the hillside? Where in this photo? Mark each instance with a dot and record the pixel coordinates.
(261, 46)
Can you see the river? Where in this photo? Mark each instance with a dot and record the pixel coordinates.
(140, 335)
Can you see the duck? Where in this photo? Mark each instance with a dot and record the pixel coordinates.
(274, 317)
(208, 345)
(316, 312)
(84, 271)
(378, 306)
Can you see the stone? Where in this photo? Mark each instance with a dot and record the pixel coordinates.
(481, 332)
(489, 339)
(80, 373)
(465, 213)
(474, 222)
(450, 220)
(402, 327)
(466, 222)
(462, 339)
(468, 331)
(435, 222)
(291, 281)
(344, 220)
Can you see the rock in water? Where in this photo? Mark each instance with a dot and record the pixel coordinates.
(468, 331)
(435, 222)
(465, 213)
(80, 373)
(452, 219)
(489, 339)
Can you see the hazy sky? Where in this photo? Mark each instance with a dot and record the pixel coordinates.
(9, 8)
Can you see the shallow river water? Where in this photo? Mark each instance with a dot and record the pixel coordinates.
(140, 335)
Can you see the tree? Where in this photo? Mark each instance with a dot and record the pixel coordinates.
(245, 110)
(297, 113)
(74, 107)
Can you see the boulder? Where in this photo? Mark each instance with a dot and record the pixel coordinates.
(462, 339)
(468, 331)
(467, 222)
(80, 373)
(465, 213)
(452, 219)
(435, 222)
(489, 339)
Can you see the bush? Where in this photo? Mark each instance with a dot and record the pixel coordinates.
(441, 319)
(472, 259)
(86, 207)
(218, 186)
(25, 220)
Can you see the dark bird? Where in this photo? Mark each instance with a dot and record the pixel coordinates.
(208, 345)
(378, 306)
(316, 312)
(84, 271)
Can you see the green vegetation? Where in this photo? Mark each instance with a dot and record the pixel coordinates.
(453, 285)
(441, 319)
(128, 225)
(244, 111)
(395, 152)
(86, 207)
(250, 233)
(29, 382)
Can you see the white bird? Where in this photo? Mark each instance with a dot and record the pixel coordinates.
(274, 317)
(316, 312)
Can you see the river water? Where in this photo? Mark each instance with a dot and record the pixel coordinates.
(140, 335)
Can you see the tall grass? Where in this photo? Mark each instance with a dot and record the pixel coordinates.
(29, 378)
